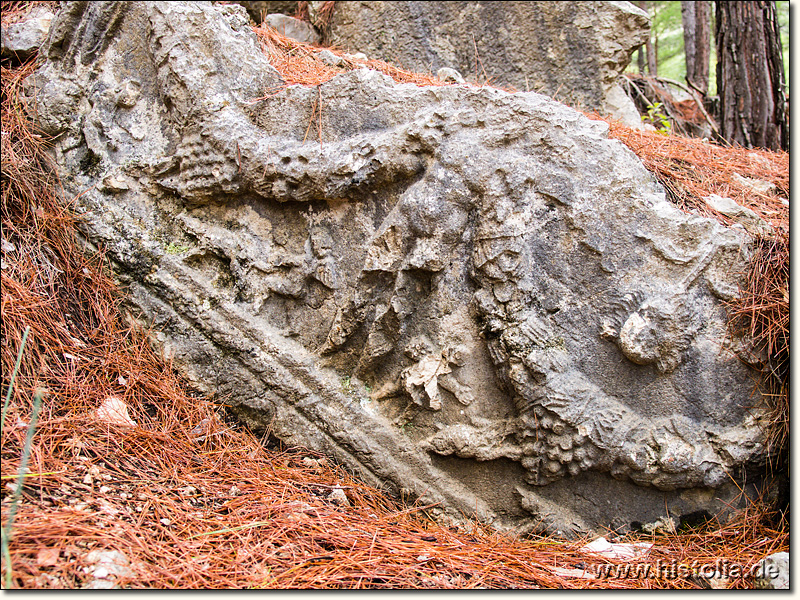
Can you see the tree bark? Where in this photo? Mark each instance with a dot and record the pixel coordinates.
(652, 45)
(640, 53)
(696, 18)
(652, 64)
(750, 80)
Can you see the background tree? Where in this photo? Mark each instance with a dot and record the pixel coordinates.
(696, 19)
(640, 58)
(650, 52)
(652, 45)
(752, 99)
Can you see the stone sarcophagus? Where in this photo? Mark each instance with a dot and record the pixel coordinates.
(471, 297)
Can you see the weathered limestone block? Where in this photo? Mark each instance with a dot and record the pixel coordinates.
(260, 9)
(472, 297)
(23, 38)
(293, 28)
(573, 51)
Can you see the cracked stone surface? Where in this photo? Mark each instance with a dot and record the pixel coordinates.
(470, 297)
(573, 51)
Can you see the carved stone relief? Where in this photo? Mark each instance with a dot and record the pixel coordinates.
(446, 277)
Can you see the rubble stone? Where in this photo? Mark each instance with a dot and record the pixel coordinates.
(293, 28)
(23, 39)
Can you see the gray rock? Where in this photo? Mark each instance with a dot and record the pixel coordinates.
(470, 297)
(573, 51)
(338, 497)
(106, 567)
(357, 56)
(260, 9)
(293, 28)
(742, 215)
(23, 39)
(449, 75)
(759, 186)
(329, 58)
(773, 572)
(620, 107)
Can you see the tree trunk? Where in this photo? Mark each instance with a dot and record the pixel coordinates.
(652, 49)
(650, 55)
(652, 65)
(750, 75)
(696, 18)
(640, 53)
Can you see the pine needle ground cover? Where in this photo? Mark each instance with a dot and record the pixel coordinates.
(126, 458)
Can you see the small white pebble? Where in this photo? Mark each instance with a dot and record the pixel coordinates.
(338, 497)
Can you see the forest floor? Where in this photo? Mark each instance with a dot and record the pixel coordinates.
(132, 480)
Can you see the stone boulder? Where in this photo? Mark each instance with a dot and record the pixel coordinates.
(572, 51)
(259, 9)
(470, 297)
(22, 39)
(293, 28)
